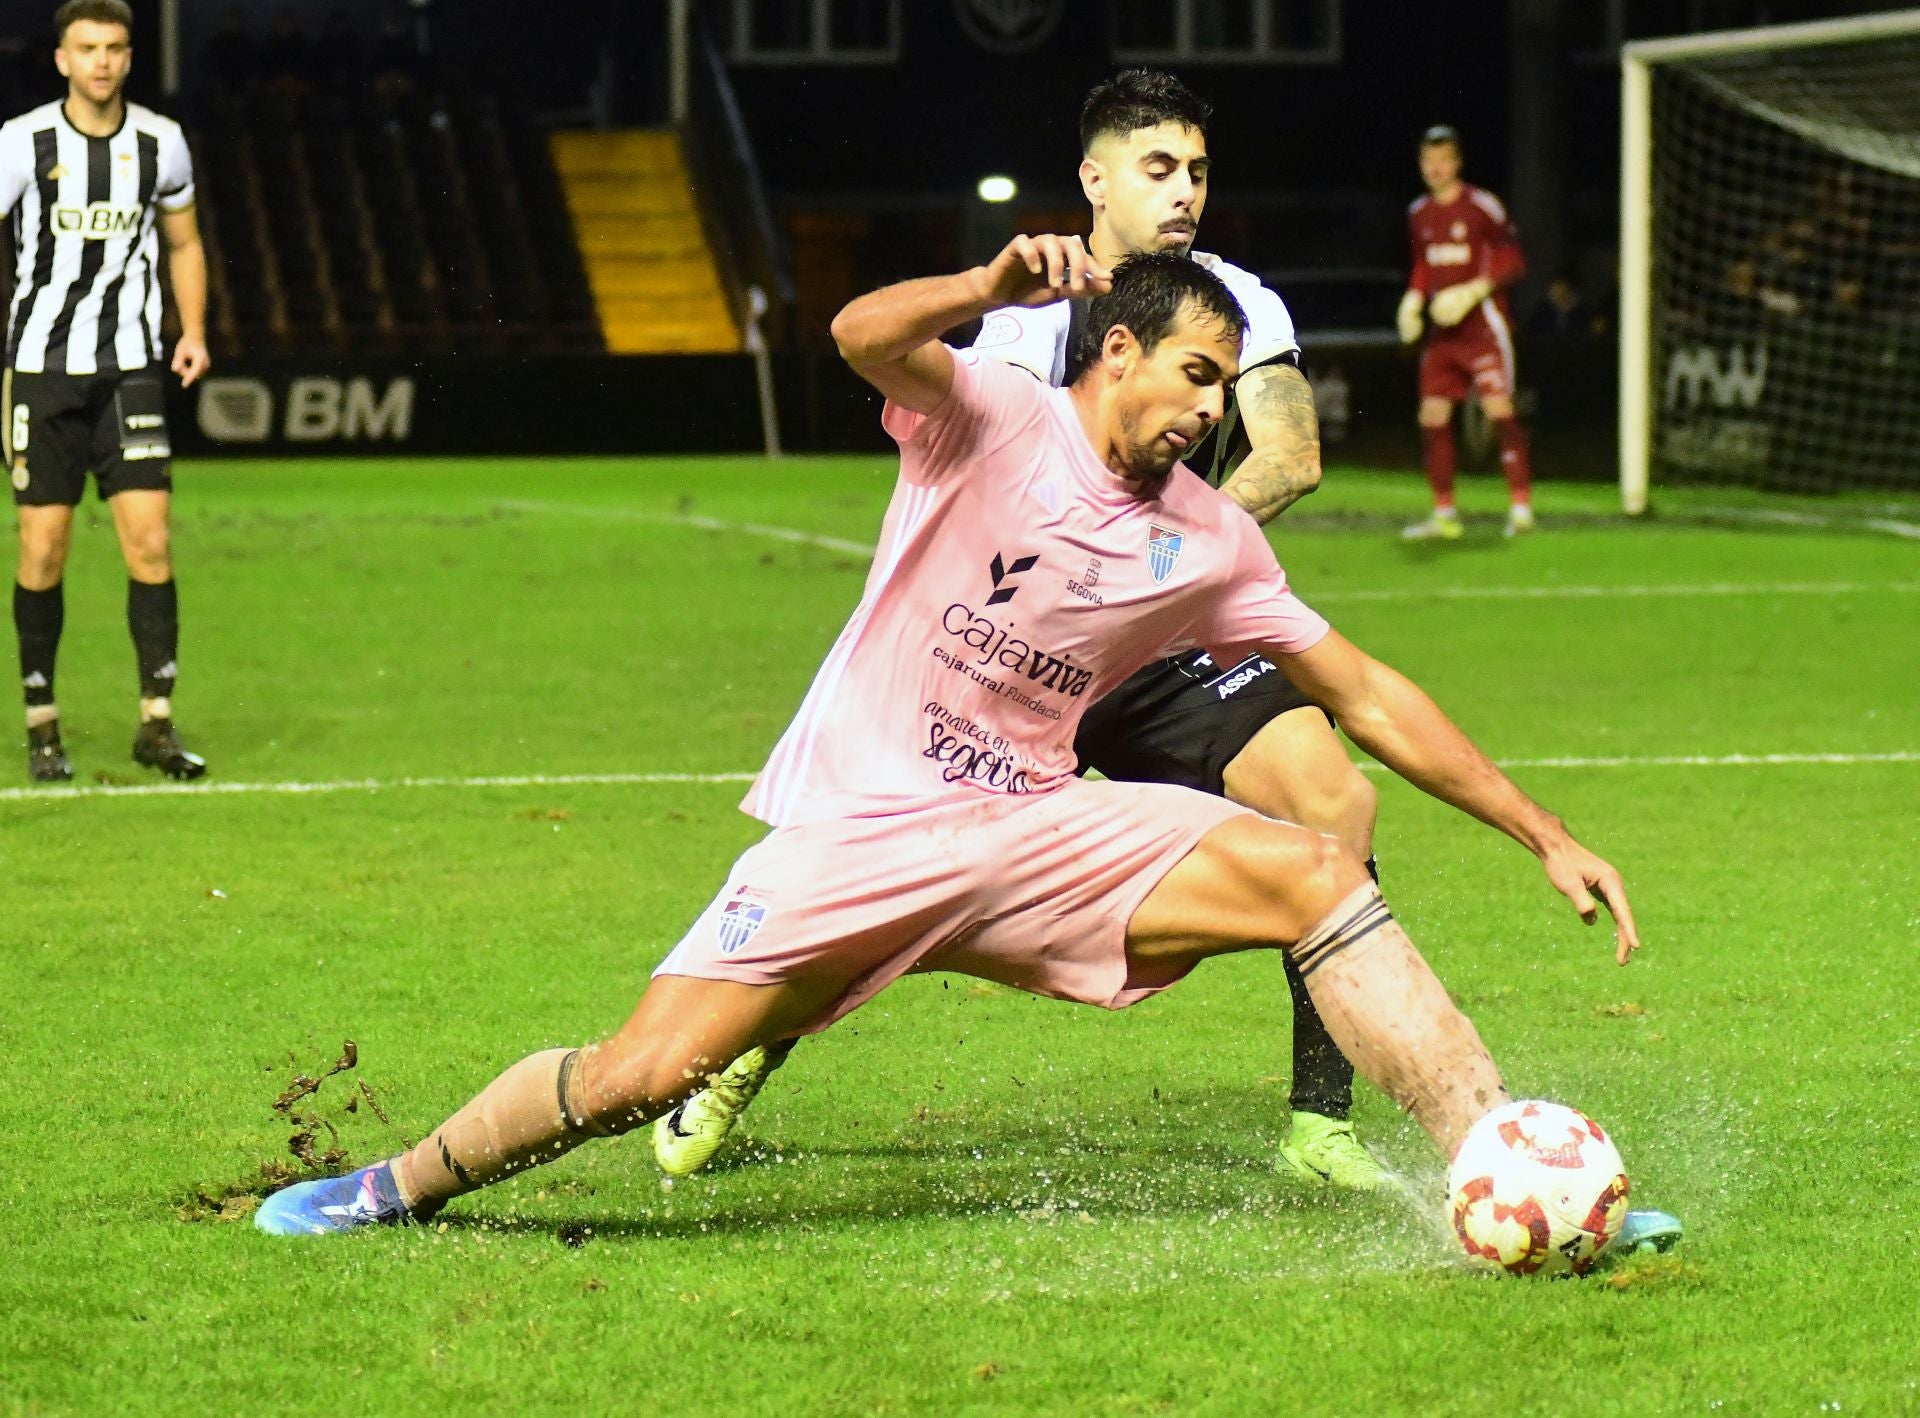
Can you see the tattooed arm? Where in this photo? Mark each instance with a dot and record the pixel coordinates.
(1276, 405)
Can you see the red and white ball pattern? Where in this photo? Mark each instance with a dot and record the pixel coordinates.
(1537, 1189)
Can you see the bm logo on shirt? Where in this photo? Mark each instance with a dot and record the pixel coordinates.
(97, 221)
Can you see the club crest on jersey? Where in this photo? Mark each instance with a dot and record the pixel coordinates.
(740, 921)
(1163, 552)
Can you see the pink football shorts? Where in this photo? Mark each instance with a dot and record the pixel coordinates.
(1029, 891)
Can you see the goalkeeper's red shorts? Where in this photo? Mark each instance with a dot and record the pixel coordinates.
(1474, 357)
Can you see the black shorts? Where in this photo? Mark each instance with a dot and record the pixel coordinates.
(57, 428)
(1184, 720)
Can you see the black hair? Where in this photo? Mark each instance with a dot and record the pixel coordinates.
(103, 12)
(1150, 293)
(1140, 98)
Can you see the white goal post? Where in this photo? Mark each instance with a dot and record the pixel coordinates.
(1770, 257)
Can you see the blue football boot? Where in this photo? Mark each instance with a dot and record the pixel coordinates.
(1647, 1231)
(368, 1197)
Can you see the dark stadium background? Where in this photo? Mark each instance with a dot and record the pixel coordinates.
(839, 176)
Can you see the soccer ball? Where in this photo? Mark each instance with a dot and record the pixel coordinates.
(1537, 1189)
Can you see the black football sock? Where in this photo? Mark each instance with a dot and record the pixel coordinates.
(153, 617)
(37, 620)
(1322, 1077)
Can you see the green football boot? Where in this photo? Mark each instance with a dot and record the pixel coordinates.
(1324, 1149)
(1439, 526)
(685, 1140)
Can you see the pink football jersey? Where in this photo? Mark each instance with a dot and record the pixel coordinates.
(1018, 579)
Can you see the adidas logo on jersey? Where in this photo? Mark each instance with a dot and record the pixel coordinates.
(97, 221)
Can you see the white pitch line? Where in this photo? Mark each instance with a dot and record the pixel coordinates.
(693, 519)
(1581, 593)
(1695, 760)
(647, 780)
(1440, 593)
(366, 785)
(1784, 517)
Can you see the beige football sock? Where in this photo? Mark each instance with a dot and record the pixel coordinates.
(529, 1114)
(1392, 1018)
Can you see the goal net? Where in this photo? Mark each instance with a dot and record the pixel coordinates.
(1770, 258)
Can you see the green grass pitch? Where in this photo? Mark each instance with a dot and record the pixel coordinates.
(962, 1199)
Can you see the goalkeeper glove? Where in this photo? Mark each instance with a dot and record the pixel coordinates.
(1411, 304)
(1456, 303)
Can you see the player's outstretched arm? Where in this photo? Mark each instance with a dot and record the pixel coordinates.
(1392, 718)
(891, 337)
(1283, 431)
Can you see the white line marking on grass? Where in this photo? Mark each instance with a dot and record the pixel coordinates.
(1695, 760)
(797, 537)
(648, 780)
(1581, 593)
(693, 519)
(1783, 517)
(367, 785)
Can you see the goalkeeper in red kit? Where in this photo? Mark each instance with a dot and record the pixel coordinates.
(1465, 256)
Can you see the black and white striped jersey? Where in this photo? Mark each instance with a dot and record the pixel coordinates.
(86, 294)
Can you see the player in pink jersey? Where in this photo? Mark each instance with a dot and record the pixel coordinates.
(1041, 544)
(1465, 256)
(1237, 729)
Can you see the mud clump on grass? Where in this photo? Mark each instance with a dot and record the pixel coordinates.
(1654, 1272)
(308, 1119)
(299, 1106)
